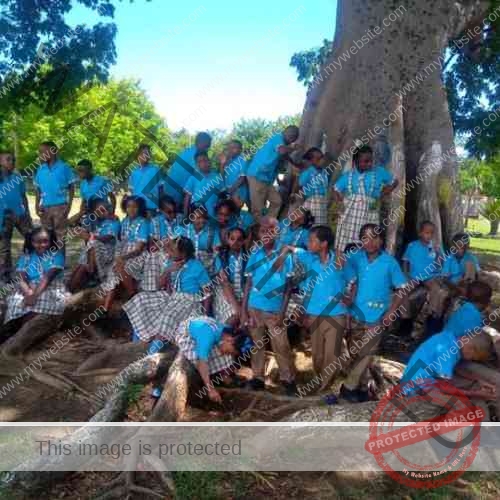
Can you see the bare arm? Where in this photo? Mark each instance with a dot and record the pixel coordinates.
(71, 194)
(202, 367)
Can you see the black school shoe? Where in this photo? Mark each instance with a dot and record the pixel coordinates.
(256, 384)
(290, 389)
(354, 395)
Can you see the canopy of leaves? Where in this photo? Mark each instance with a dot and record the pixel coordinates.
(480, 177)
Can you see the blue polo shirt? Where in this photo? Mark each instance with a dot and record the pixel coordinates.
(324, 284)
(179, 173)
(295, 237)
(162, 228)
(432, 360)
(135, 230)
(264, 165)
(464, 320)
(35, 266)
(96, 188)
(233, 171)
(268, 284)
(53, 183)
(201, 239)
(145, 182)
(373, 180)
(205, 190)
(454, 268)
(243, 220)
(231, 266)
(191, 278)
(12, 192)
(425, 262)
(107, 227)
(206, 335)
(376, 281)
(314, 181)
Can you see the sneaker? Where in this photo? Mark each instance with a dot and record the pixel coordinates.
(256, 384)
(290, 388)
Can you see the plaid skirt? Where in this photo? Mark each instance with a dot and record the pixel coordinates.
(104, 253)
(223, 309)
(52, 301)
(356, 214)
(152, 271)
(216, 361)
(134, 267)
(160, 313)
(318, 206)
(208, 260)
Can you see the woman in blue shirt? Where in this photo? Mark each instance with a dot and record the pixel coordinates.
(127, 270)
(40, 296)
(294, 230)
(98, 246)
(184, 291)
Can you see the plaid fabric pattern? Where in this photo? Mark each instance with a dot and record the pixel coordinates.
(159, 313)
(295, 305)
(216, 361)
(152, 271)
(104, 253)
(208, 260)
(52, 301)
(223, 309)
(134, 267)
(318, 206)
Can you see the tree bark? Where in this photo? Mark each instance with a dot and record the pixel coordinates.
(386, 86)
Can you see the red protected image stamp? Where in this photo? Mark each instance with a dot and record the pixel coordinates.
(455, 431)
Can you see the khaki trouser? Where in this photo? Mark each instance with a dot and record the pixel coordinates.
(55, 218)
(24, 226)
(326, 342)
(260, 194)
(364, 345)
(279, 342)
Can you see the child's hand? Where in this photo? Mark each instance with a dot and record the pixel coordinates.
(214, 395)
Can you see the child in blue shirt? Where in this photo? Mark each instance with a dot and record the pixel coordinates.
(225, 210)
(294, 230)
(314, 182)
(461, 266)
(129, 259)
(378, 295)
(40, 292)
(265, 301)
(99, 242)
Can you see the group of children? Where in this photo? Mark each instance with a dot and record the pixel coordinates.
(197, 271)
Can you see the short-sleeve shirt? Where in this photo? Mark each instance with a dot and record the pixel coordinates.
(464, 320)
(268, 283)
(206, 335)
(434, 359)
(373, 181)
(324, 284)
(295, 237)
(425, 262)
(205, 189)
(135, 230)
(204, 240)
(53, 183)
(243, 220)
(12, 192)
(234, 267)
(35, 266)
(233, 172)
(108, 227)
(314, 181)
(96, 188)
(179, 173)
(145, 182)
(454, 269)
(264, 165)
(162, 228)
(376, 281)
(191, 278)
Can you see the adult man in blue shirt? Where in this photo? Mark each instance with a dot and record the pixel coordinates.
(185, 167)
(15, 204)
(146, 180)
(55, 189)
(263, 170)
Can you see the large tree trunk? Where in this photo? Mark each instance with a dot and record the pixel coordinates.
(387, 87)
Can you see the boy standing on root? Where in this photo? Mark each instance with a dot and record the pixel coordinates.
(265, 301)
(377, 276)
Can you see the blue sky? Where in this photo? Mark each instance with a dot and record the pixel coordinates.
(207, 63)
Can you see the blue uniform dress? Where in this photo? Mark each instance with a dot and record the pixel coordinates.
(376, 281)
(233, 172)
(435, 359)
(145, 181)
(205, 243)
(455, 269)
(294, 236)
(264, 165)
(314, 183)
(205, 189)
(466, 319)
(53, 183)
(97, 188)
(425, 263)
(52, 300)
(179, 173)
